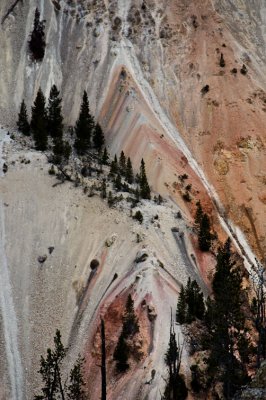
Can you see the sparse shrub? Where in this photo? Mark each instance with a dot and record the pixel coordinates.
(222, 62)
(110, 199)
(183, 177)
(234, 71)
(205, 89)
(51, 170)
(186, 196)
(243, 70)
(158, 200)
(103, 189)
(178, 215)
(138, 216)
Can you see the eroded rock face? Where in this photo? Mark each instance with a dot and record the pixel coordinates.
(166, 54)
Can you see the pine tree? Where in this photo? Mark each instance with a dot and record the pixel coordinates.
(61, 151)
(121, 355)
(175, 387)
(103, 189)
(181, 311)
(199, 213)
(129, 172)
(105, 157)
(50, 371)
(118, 183)
(205, 236)
(190, 303)
(122, 163)
(114, 166)
(110, 199)
(75, 389)
(37, 38)
(130, 320)
(129, 329)
(194, 300)
(84, 127)
(98, 137)
(54, 117)
(22, 123)
(39, 121)
(226, 324)
(145, 191)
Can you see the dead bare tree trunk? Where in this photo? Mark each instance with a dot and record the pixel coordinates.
(103, 364)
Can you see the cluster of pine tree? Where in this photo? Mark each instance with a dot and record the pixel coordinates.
(121, 172)
(54, 386)
(225, 334)
(204, 228)
(190, 303)
(129, 329)
(48, 121)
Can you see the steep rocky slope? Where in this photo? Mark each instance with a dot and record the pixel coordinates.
(143, 64)
(169, 51)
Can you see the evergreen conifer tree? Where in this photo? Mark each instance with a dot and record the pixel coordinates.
(39, 122)
(226, 324)
(130, 328)
(121, 354)
(54, 115)
(103, 189)
(122, 163)
(129, 172)
(145, 191)
(75, 388)
(52, 377)
(118, 183)
(175, 387)
(22, 123)
(37, 38)
(50, 371)
(190, 303)
(130, 320)
(105, 157)
(181, 311)
(110, 199)
(199, 213)
(84, 127)
(194, 300)
(98, 137)
(114, 166)
(61, 151)
(205, 236)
